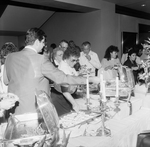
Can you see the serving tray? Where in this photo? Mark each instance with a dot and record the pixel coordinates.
(73, 119)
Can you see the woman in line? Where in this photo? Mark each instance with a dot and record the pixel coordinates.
(6, 49)
(63, 100)
(131, 63)
(57, 56)
(110, 63)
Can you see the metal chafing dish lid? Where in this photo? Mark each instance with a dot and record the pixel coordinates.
(47, 110)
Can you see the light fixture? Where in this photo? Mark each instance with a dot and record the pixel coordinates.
(143, 5)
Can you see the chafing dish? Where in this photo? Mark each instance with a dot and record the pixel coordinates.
(27, 129)
(126, 84)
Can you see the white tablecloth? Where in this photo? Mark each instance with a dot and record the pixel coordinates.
(124, 131)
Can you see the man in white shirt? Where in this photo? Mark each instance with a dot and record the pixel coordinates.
(89, 58)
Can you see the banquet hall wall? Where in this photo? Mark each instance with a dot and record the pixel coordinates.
(102, 27)
(93, 27)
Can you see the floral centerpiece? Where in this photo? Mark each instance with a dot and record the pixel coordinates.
(145, 64)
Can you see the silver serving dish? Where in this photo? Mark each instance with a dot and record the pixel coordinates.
(27, 129)
(126, 84)
(24, 130)
(128, 76)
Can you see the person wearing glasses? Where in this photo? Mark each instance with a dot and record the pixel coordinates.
(89, 59)
(65, 102)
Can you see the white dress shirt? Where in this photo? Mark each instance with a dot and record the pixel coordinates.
(94, 63)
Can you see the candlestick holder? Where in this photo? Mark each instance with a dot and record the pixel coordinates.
(88, 103)
(117, 104)
(103, 131)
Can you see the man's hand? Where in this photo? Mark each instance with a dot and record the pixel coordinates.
(88, 57)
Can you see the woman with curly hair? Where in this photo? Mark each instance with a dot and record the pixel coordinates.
(110, 63)
(131, 63)
(63, 100)
(6, 49)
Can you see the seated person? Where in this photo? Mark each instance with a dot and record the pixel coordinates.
(63, 100)
(131, 63)
(110, 63)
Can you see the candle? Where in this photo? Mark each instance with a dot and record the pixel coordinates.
(101, 83)
(87, 87)
(117, 87)
(104, 92)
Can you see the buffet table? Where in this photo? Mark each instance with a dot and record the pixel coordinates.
(124, 127)
(123, 132)
(125, 108)
(124, 124)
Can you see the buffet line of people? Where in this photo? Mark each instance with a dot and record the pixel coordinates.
(57, 73)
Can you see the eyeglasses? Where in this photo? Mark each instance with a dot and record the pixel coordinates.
(74, 60)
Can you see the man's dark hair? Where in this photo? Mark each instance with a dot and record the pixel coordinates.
(34, 34)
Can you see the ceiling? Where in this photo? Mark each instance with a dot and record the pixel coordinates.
(16, 16)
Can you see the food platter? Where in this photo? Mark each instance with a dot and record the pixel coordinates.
(73, 119)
